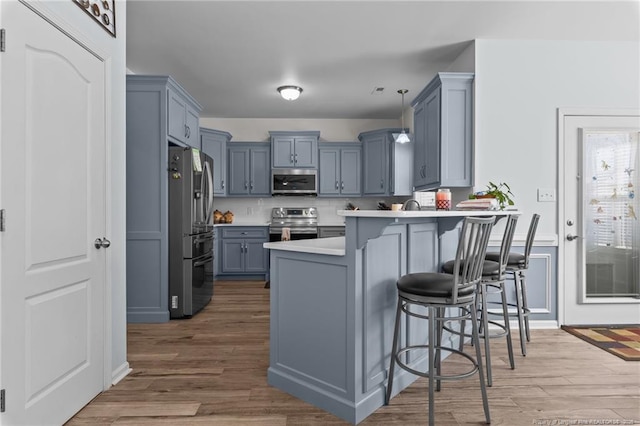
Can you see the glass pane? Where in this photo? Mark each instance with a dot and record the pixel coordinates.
(612, 238)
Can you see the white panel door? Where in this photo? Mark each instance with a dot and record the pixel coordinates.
(52, 186)
(598, 219)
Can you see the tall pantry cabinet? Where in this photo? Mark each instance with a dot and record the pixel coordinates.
(159, 112)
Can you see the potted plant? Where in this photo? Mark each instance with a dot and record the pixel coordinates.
(501, 192)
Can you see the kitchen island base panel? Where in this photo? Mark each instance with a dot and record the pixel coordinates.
(346, 409)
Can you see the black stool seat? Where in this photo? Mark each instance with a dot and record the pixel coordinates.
(514, 261)
(489, 267)
(439, 285)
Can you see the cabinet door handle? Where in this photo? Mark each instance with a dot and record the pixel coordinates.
(381, 183)
(246, 185)
(291, 159)
(188, 132)
(222, 184)
(251, 185)
(296, 157)
(342, 185)
(336, 184)
(185, 130)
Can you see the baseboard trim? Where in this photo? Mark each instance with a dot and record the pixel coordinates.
(120, 373)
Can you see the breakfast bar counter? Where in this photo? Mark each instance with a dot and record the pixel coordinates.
(333, 305)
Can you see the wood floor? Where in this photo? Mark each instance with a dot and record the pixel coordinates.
(212, 370)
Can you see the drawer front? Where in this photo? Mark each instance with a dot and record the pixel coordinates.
(228, 232)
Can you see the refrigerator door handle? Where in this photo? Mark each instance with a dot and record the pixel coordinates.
(202, 262)
(208, 204)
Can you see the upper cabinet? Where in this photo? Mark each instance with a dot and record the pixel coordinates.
(214, 144)
(183, 120)
(340, 169)
(294, 149)
(386, 165)
(443, 132)
(249, 171)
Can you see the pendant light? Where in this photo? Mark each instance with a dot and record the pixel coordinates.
(402, 137)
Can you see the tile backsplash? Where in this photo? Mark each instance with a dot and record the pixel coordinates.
(257, 211)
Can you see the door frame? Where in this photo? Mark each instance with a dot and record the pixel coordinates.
(562, 113)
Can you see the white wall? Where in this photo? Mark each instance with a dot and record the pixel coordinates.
(519, 86)
(112, 50)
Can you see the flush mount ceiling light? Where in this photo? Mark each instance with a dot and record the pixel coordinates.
(290, 93)
(402, 137)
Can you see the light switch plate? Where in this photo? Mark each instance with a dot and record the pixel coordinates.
(546, 195)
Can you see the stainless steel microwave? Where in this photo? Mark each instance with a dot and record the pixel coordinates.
(294, 182)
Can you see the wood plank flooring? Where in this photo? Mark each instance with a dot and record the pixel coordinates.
(212, 370)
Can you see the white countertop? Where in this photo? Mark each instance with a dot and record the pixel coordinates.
(242, 224)
(424, 213)
(332, 246)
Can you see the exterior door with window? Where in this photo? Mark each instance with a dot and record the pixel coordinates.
(600, 219)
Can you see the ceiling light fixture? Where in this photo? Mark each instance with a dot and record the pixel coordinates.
(402, 137)
(290, 93)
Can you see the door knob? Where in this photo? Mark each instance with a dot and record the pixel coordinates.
(101, 243)
(572, 237)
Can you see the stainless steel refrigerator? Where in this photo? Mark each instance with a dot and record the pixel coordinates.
(191, 248)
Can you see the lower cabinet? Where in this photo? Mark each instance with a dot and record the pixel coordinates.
(242, 252)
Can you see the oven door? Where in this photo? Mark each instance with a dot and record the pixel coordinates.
(307, 233)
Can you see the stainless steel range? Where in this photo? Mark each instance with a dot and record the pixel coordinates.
(302, 223)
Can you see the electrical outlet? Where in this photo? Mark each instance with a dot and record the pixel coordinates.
(546, 195)
(249, 211)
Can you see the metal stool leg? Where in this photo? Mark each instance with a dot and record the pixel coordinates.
(394, 349)
(476, 340)
(523, 343)
(505, 316)
(484, 325)
(432, 368)
(525, 306)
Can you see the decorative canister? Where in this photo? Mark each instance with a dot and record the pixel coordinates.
(443, 199)
(217, 216)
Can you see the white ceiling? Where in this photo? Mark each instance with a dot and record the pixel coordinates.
(232, 55)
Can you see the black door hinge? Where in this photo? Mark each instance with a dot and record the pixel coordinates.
(1, 39)
(2, 401)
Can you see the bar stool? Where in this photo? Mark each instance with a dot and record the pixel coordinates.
(436, 292)
(493, 278)
(517, 264)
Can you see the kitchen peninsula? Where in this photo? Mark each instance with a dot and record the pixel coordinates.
(333, 303)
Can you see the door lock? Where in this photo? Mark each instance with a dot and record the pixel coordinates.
(570, 222)
(101, 243)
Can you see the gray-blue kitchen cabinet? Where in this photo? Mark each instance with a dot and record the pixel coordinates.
(148, 114)
(243, 252)
(183, 121)
(387, 167)
(249, 169)
(340, 169)
(214, 143)
(443, 132)
(294, 149)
